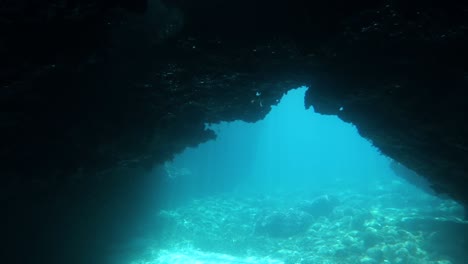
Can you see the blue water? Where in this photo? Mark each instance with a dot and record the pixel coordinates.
(297, 187)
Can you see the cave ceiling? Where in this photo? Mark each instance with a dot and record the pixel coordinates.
(91, 85)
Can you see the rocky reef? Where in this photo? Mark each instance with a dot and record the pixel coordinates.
(283, 224)
(394, 224)
(94, 92)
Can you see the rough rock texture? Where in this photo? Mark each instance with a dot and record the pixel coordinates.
(94, 91)
(320, 206)
(283, 223)
(455, 232)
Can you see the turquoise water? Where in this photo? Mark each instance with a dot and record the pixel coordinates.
(296, 187)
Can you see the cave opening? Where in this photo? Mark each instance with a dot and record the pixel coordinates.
(296, 187)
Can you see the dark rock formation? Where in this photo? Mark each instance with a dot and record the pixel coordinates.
(95, 91)
(320, 206)
(283, 224)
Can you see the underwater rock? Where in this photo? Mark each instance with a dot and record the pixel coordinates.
(441, 231)
(371, 237)
(283, 224)
(320, 206)
(402, 253)
(367, 260)
(375, 253)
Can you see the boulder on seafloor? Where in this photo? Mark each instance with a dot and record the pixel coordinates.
(283, 223)
(320, 206)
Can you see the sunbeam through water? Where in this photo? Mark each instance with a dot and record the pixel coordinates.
(298, 187)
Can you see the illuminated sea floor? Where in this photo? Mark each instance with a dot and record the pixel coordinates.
(395, 224)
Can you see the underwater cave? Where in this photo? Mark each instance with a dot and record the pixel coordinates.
(174, 131)
(295, 187)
